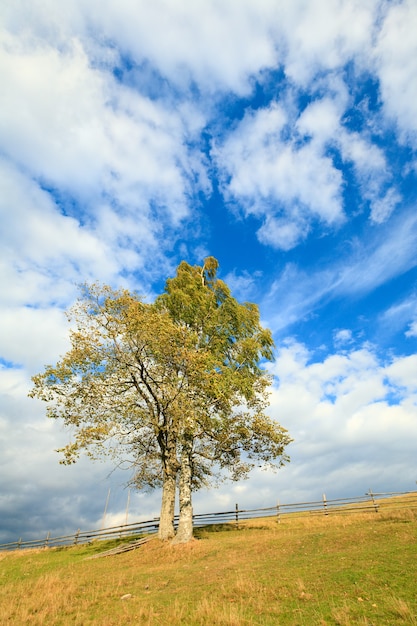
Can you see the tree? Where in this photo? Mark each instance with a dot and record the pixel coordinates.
(171, 389)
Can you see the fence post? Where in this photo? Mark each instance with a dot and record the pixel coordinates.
(47, 539)
(77, 534)
(278, 514)
(237, 516)
(325, 504)
(19, 543)
(376, 506)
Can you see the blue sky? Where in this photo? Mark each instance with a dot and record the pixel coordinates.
(279, 137)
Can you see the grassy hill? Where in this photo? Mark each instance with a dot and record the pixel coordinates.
(310, 570)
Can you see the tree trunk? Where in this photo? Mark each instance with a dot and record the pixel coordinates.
(170, 468)
(185, 525)
(166, 520)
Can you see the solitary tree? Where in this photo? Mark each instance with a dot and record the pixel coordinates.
(173, 388)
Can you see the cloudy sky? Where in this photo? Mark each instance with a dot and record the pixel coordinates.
(280, 137)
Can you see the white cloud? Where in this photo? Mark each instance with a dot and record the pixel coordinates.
(339, 412)
(364, 155)
(33, 337)
(220, 46)
(321, 120)
(402, 374)
(242, 284)
(95, 176)
(69, 123)
(210, 43)
(284, 234)
(120, 158)
(216, 45)
(401, 315)
(382, 208)
(50, 120)
(395, 57)
(342, 337)
(111, 139)
(271, 176)
(412, 330)
(277, 166)
(322, 36)
(37, 233)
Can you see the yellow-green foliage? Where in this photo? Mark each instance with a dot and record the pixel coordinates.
(335, 570)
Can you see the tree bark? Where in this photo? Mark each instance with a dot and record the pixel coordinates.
(185, 525)
(166, 521)
(170, 468)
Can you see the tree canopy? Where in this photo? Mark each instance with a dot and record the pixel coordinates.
(174, 389)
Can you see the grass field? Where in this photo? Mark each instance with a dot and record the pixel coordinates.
(309, 570)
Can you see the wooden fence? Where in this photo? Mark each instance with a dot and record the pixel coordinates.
(368, 503)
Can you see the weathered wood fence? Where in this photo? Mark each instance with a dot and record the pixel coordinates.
(368, 503)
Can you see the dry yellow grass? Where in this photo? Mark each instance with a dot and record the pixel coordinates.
(341, 570)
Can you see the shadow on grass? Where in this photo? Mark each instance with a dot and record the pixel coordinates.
(98, 545)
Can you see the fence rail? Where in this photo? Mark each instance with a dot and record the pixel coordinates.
(370, 502)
